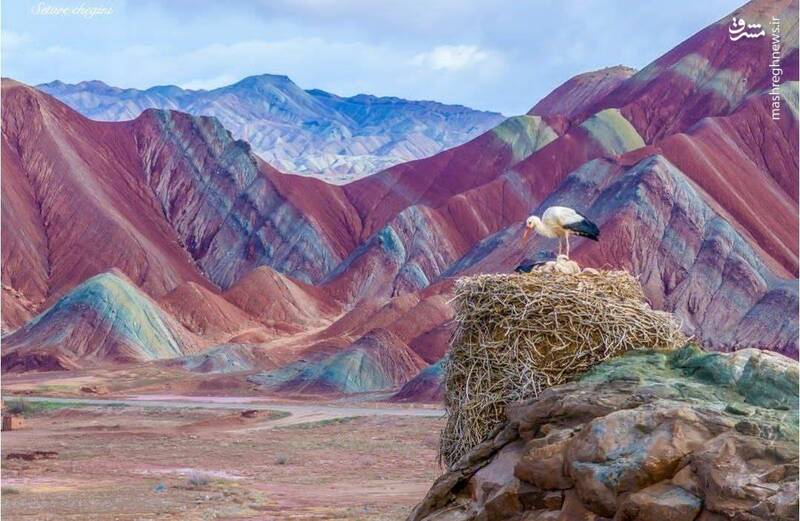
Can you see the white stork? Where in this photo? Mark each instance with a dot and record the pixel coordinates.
(561, 222)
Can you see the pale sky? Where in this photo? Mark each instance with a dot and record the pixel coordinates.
(501, 55)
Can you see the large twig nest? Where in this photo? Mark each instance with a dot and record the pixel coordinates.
(519, 334)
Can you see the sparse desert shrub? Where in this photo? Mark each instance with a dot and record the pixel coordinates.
(27, 408)
(20, 406)
(197, 480)
(281, 460)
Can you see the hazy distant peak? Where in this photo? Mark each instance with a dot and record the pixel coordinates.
(312, 132)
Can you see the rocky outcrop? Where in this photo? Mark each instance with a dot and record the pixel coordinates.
(311, 132)
(687, 436)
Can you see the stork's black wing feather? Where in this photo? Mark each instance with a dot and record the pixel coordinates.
(542, 257)
(584, 228)
(525, 267)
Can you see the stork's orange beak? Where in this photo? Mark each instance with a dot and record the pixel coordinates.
(526, 233)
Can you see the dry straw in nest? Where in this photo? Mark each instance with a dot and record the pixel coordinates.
(519, 334)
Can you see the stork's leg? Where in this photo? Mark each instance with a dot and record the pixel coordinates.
(567, 237)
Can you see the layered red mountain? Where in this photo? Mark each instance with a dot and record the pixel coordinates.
(163, 237)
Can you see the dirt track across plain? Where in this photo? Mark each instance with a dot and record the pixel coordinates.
(298, 412)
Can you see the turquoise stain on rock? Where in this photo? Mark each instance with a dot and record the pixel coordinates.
(232, 211)
(413, 273)
(613, 132)
(226, 358)
(351, 371)
(391, 243)
(525, 135)
(761, 384)
(670, 391)
(765, 383)
(377, 361)
(354, 371)
(725, 83)
(118, 306)
(708, 367)
(435, 370)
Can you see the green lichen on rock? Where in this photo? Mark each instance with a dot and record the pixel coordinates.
(759, 385)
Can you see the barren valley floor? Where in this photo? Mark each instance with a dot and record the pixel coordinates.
(186, 460)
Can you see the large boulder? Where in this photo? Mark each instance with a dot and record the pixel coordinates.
(679, 436)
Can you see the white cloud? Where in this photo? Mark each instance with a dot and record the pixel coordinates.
(499, 55)
(453, 57)
(13, 41)
(210, 83)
